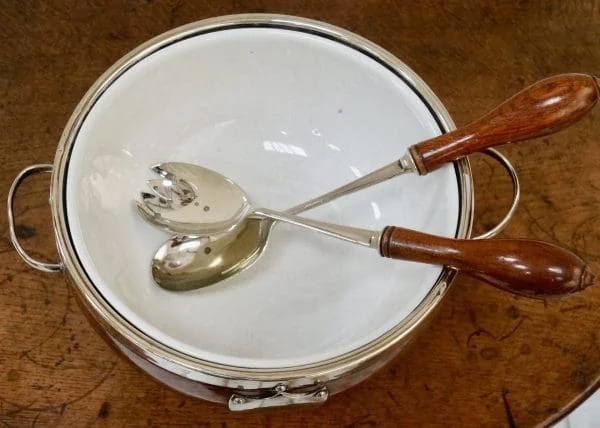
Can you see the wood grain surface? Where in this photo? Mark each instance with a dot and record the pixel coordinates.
(488, 359)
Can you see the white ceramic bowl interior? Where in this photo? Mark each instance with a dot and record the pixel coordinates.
(288, 116)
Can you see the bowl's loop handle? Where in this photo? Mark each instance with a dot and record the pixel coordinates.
(516, 194)
(44, 267)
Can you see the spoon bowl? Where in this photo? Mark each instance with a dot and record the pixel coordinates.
(187, 263)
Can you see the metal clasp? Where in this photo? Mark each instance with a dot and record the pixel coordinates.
(279, 398)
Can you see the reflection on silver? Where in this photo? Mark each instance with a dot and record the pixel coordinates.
(189, 195)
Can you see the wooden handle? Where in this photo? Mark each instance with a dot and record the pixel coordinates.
(521, 266)
(547, 106)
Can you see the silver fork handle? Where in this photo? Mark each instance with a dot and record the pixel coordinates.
(402, 166)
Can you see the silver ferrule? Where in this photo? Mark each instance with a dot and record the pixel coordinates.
(403, 165)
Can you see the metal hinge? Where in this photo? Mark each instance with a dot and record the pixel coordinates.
(279, 398)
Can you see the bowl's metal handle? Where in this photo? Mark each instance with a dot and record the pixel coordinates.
(44, 267)
(516, 194)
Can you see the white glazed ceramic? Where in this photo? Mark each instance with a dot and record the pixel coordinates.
(288, 108)
(288, 116)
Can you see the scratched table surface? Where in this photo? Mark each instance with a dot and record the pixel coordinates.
(488, 358)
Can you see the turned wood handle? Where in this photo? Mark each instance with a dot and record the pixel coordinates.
(547, 106)
(521, 266)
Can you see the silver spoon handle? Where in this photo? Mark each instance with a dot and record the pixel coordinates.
(521, 266)
(402, 166)
(364, 237)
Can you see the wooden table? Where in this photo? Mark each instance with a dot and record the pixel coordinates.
(488, 359)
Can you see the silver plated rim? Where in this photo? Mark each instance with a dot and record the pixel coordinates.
(206, 371)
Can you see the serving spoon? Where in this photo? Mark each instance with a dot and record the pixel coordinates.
(521, 266)
(547, 106)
